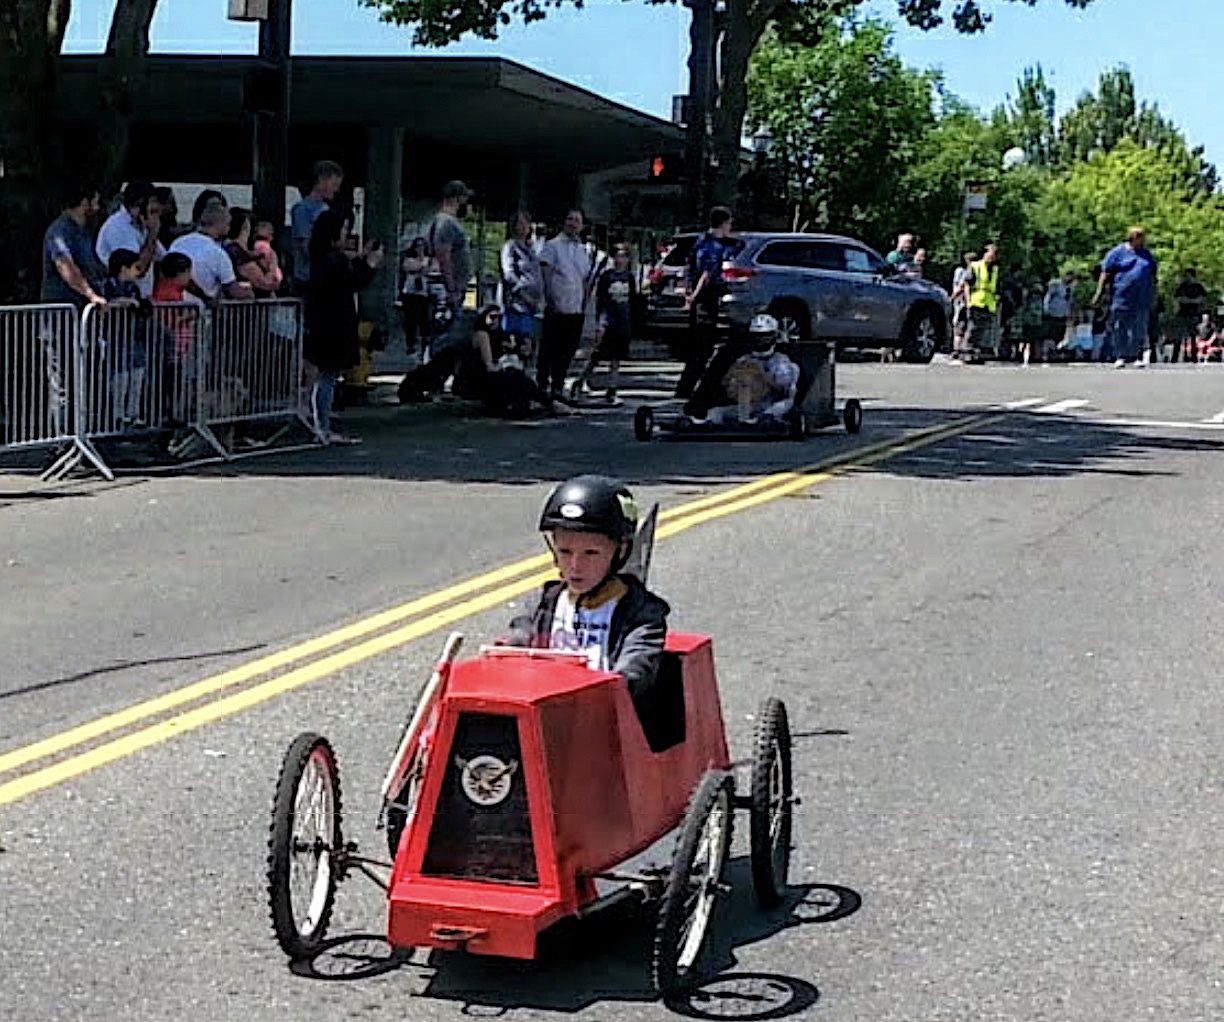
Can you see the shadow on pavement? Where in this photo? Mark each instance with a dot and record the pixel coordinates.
(608, 959)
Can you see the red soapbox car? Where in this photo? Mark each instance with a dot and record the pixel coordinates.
(522, 779)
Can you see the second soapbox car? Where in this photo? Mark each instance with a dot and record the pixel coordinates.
(523, 780)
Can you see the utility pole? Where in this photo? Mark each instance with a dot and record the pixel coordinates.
(271, 113)
(703, 96)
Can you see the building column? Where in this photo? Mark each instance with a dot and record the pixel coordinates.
(383, 199)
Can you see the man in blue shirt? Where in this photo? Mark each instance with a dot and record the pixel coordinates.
(328, 178)
(71, 271)
(705, 288)
(1131, 271)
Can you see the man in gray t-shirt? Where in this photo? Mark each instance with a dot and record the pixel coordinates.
(449, 243)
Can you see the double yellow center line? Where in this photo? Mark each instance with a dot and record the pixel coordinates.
(385, 631)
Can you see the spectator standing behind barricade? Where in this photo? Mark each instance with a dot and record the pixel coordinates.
(248, 265)
(127, 350)
(566, 267)
(262, 245)
(615, 294)
(415, 298)
(328, 179)
(522, 282)
(332, 342)
(1130, 269)
(983, 283)
(212, 271)
(135, 227)
(206, 198)
(960, 306)
(1191, 299)
(170, 228)
(71, 270)
(173, 279)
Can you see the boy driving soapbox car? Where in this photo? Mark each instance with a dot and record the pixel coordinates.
(526, 774)
(756, 389)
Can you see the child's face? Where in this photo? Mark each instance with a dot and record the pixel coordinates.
(263, 231)
(583, 558)
(129, 274)
(622, 261)
(182, 280)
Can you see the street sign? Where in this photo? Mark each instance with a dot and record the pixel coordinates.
(976, 198)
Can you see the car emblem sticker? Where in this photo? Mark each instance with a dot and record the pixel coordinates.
(571, 510)
(485, 779)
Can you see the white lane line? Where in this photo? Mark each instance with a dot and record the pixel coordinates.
(1058, 407)
(1028, 402)
(1217, 418)
(1211, 427)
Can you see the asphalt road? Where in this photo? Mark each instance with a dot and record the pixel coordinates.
(999, 651)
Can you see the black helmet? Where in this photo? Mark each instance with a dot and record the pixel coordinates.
(591, 504)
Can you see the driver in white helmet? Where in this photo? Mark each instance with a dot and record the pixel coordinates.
(760, 385)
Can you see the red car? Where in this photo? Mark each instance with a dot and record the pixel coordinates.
(524, 779)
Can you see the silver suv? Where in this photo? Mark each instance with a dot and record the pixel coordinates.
(829, 286)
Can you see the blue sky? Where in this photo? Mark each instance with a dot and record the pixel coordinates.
(635, 53)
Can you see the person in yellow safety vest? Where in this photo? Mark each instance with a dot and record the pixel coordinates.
(983, 336)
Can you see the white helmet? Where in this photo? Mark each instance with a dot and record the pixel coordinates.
(763, 332)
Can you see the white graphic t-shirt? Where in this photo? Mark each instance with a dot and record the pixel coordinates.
(585, 629)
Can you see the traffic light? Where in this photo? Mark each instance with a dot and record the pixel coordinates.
(665, 169)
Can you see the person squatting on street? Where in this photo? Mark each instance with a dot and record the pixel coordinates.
(567, 269)
(493, 371)
(590, 524)
(705, 289)
(332, 344)
(614, 297)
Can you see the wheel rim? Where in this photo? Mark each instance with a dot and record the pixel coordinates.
(704, 880)
(314, 822)
(925, 338)
(779, 811)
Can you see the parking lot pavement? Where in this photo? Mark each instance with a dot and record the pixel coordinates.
(996, 649)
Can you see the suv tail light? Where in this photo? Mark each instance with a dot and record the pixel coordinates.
(738, 273)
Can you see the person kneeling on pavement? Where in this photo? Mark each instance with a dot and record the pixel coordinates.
(760, 385)
(493, 371)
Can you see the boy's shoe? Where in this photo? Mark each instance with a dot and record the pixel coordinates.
(1120, 363)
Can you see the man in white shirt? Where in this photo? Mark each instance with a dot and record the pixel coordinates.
(135, 227)
(212, 270)
(567, 267)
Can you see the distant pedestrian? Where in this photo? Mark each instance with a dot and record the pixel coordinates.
(1191, 299)
(705, 288)
(1131, 271)
(901, 258)
(961, 278)
(72, 272)
(567, 266)
(615, 294)
(984, 301)
(1057, 318)
(332, 344)
(414, 297)
(328, 180)
(522, 281)
(918, 267)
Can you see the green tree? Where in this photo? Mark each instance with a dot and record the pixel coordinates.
(1090, 209)
(847, 119)
(737, 30)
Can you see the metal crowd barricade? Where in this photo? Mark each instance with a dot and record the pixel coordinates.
(252, 369)
(39, 374)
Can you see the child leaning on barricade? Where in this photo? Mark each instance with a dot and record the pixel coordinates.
(126, 335)
(177, 325)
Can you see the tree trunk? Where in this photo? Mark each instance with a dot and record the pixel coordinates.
(124, 76)
(742, 30)
(31, 34)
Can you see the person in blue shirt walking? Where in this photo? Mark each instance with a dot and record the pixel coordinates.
(705, 288)
(1131, 271)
